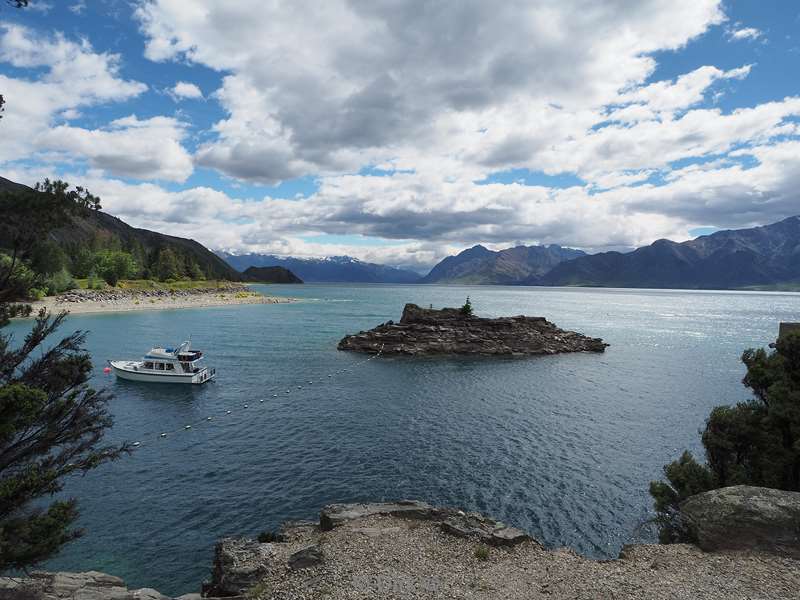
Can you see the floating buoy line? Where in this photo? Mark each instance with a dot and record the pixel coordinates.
(210, 419)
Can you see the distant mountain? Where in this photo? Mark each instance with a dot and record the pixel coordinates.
(270, 275)
(760, 256)
(479, 265)
(338, 269)
(91, 225)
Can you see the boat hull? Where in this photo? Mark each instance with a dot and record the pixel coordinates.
(125, 370)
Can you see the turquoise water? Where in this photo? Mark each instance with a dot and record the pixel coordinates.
(562, 446)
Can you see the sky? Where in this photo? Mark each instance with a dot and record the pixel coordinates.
(403, 131)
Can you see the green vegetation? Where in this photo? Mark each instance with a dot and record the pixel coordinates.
(755, 442)
(482, 552)
(51, 423)
(466, 309)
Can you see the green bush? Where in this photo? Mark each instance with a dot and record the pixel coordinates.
(482, 552)
(113, 265)
(94, 282)
(37, 293)
(752, 443)
(21, 279)
(59, 282)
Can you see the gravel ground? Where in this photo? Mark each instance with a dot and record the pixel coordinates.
(157, 303)
(384, 557)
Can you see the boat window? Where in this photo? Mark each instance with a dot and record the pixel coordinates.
(160, 366)
(148, 365)
(170, 367)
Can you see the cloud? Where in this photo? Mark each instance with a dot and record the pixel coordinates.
(68, 76)
(744, 33)
(185, 90)
(148, 149)
(78, 7)
(376, 80)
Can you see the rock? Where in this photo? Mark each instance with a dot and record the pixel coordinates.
(305, 558)
(91, 585)
(743, 517)
(483, 529)
(334, 515)
(424, 331)
(238, 565)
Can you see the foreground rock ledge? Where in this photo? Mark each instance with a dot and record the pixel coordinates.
(423, 331)
(410, 550)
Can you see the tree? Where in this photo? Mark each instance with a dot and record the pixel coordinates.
(113, 265)
(29, 215)
(51, 422)
(167, 266)
(754, 443)
(466, 309)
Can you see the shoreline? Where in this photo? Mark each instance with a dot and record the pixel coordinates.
(410, 550)
(86, 302)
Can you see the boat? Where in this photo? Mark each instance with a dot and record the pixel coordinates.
(166, 365)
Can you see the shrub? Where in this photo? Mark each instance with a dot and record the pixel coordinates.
(753, 443)
(59, 282)
(94, 282)
(482, 552)
(268, 537)
(37, 293)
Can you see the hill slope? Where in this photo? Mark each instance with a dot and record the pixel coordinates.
(759, 256)
(336, 269)
(479, 265)
(270, 275)
(90, 226)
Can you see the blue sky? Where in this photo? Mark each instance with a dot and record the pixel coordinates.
(333, 131)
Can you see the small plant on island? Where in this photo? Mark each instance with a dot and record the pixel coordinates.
(466, 309)
(756, 442)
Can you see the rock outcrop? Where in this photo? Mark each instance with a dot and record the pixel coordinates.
(744, 517)
(411, 550)
(447, 331)
(239, 564)
(91, 585)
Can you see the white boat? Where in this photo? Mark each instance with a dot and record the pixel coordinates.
(166, 365)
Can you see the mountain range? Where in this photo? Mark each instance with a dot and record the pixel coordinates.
(759, 256)
(333, 269)
(479, 265)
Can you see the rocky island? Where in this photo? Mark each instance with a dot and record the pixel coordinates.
(428, 331)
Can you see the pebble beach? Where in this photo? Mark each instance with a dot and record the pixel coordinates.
(103, 301)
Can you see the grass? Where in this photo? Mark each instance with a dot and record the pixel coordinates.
(482, 552)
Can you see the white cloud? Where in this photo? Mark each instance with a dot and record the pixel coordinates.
(74, 76)
(744, 33)
(185, 90)
(373, 81)
(78, 7)
(148, 149)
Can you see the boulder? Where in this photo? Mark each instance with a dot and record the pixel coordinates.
(423, 331)
(305, 558)
(334, 515)
(483, 529)
(238, 565)
(743, 517)
(91, 585)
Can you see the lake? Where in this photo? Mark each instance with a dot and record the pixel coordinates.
(561, 446)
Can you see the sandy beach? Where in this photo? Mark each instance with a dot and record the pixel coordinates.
(86, 301)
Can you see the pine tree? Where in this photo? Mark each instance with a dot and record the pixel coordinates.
(51, 422)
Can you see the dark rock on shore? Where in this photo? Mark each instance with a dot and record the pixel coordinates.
(743, 517)
(239, 564)
(424, 331)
